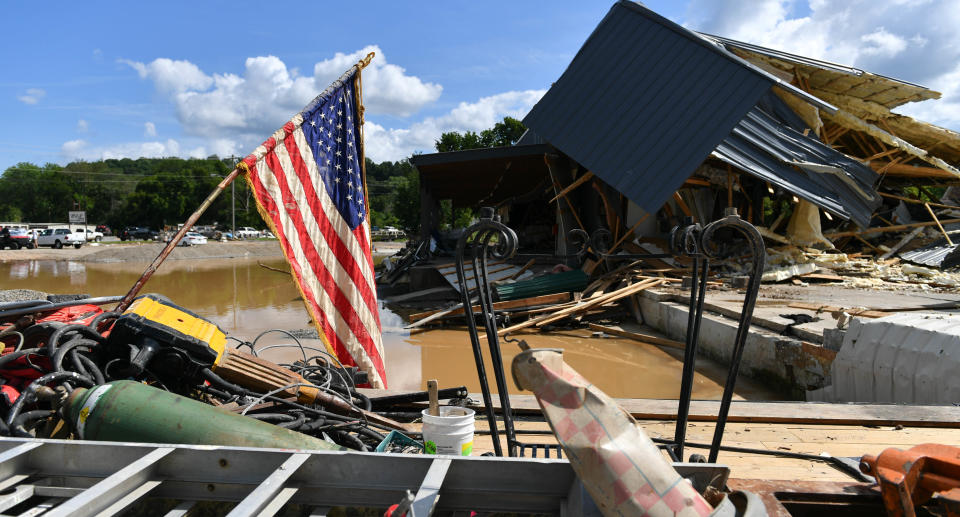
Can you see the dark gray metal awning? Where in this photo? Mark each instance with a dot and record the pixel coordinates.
(644, 103)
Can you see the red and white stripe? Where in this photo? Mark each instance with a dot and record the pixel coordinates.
(332, 264)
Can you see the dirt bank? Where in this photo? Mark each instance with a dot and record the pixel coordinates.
(123, 252)
(145, 252)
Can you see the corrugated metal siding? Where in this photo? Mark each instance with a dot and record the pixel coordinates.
(770, 148)
(907, 358)
(937, 254)
(644, 102)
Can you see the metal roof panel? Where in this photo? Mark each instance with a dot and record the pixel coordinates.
(644, 102)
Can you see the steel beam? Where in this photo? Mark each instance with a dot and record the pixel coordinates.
(127, 481)
(270, 488)
(426, 499)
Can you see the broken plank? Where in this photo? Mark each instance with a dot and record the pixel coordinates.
(637, 336)
(579, 181)
(819, 413)
(583, 306)
(534, 301)
(822, 276)
(606, 298)
(901, 243)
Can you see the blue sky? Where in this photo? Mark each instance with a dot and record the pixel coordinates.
(110, 79)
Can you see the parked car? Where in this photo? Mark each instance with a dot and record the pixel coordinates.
(246, 232)
(23, 237)
(60, 237)
(192, 239)
(104, 229)
(18, 238)
(93, 235)
(141, 233)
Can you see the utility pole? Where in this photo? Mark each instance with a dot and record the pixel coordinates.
(233, 204)
(233, 208)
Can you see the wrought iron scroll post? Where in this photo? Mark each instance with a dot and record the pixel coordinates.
(758, 250)
(686, 240)
(487, 238)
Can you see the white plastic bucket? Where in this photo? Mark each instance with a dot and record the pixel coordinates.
(450, 433)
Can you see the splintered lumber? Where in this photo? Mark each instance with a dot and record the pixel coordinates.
(600, 300)
(579, 181)
(912, 171)
(901, 243)
(884, 229)
(547, 299)
(525, 267)
(629, 232)
(583, 306)
(917, 201)
(637, 336)
(934, 216)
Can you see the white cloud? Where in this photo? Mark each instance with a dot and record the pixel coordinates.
(82, 126)
(81, 150)
(73, 148)
(910, 40)
(396, 144)
(171, 76)
(387, 89)
(149, 129)
(252, 104)
(32, 96)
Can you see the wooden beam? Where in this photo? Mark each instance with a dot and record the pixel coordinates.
(629, 232)
(884, 229)
(637, 336)
(579, 181)
(888, 152)
(934, 216)
(682, 204)
(534, 301)
(913, 171)
(582, 306)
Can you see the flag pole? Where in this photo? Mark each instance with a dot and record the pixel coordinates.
(361, 149)
(240, 167)
(152, 268)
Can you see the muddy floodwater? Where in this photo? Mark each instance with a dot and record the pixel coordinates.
(245, 299)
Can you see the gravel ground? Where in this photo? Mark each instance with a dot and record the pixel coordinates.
(19, 295)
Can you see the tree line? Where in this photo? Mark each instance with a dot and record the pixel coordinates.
(158, 192)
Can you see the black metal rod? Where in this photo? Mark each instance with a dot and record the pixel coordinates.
(755, 240)
(417, 396)
(493, 341)
(694, 317)
(475, 343)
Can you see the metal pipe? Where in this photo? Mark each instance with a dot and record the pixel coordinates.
(102, 300)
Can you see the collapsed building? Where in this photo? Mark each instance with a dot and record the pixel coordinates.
(653, 125)
(651, 118)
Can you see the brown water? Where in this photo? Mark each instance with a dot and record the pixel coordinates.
(245, 299)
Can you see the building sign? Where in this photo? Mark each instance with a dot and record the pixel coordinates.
(78, 217)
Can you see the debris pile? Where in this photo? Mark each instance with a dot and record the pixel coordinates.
(159, 373)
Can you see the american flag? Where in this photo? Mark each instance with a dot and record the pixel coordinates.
(308, 183)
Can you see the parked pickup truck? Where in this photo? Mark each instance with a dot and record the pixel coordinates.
(94, 235)
(246, 232)
(60, 237)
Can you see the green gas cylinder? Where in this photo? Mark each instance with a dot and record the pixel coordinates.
(127, 411)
